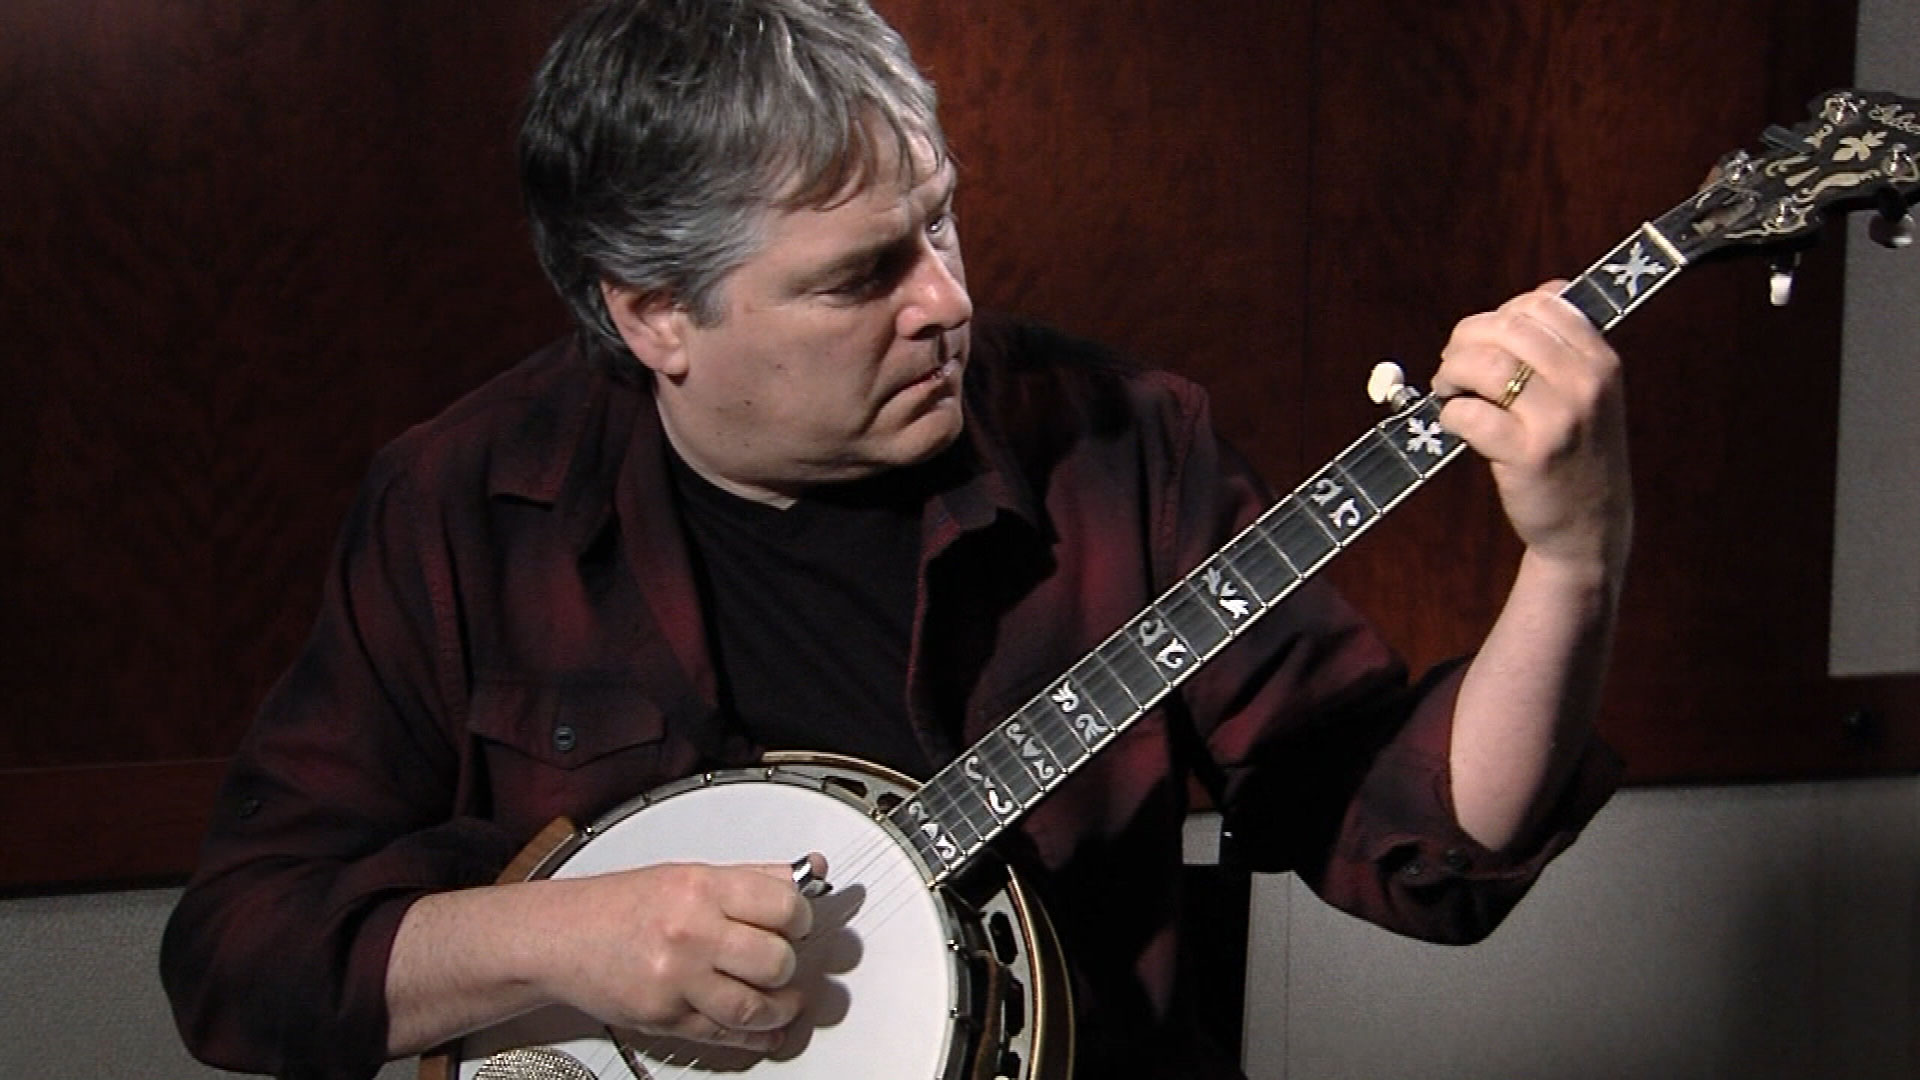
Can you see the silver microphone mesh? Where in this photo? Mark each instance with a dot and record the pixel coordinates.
(533, 1063)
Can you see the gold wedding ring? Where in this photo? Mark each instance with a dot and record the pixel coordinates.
(1516, 384)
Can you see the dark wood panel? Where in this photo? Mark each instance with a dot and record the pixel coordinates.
(1469, 151)
(1133, 170)
(104, 825)
(245, 246)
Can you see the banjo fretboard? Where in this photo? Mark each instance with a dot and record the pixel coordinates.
(986, 789)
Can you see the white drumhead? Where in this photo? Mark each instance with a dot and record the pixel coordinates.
(881, 983)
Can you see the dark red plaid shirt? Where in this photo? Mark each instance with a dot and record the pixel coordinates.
(510, 633)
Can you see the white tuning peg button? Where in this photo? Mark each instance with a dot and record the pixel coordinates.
(1891, 232)
(1386, 382)
(1780, 286)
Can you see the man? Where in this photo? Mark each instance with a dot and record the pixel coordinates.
(784, 491)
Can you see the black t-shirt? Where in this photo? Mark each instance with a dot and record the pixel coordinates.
(810, 612)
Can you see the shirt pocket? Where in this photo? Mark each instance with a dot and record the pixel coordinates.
(572, 749)
(565, 724)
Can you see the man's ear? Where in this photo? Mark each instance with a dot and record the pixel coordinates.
(652, 324)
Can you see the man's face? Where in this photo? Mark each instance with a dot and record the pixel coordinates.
(839, 350)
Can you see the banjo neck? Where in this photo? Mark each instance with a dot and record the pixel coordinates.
(1858, 150)
(992, 785)
(988, 788)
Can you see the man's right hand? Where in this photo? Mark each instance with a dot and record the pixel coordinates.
(689, 950)
(694, 951)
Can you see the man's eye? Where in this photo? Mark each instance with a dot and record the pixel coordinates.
(878, 277)
(867, 283)
(941, 225)
(858, 280)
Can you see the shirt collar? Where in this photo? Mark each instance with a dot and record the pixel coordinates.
(993, 484)
(568, 448)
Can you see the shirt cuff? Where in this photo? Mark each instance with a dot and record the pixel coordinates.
(1434, 880)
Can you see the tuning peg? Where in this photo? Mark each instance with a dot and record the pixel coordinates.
(1387, 385)
(1734, 169)
(1786, 215)
(1842, 109)
(1890, 231)
(1892, 227)
(1900, 165)
(1787, 139)
(1780, 282)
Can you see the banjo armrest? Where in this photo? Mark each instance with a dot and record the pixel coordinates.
(559, 835)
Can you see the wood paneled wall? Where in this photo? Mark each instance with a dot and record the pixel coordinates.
(241, 246)
(1474, 148)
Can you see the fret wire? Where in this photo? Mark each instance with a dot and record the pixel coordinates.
(1168, 653)
(1404, 457)
(1021, 784)
(927, 848)
(950, 796)
(1227, 594)
(1128, 701)
(1192, 616)
(1428, 445)
(1063, 703)
(966, 799)
(1591, 300)
(1074, 706)
(1055, 701)
(992, 794)
(1261, 565)
(1379, 471)
(1105, 691)
(1338, 504)
(961, 832)
(1027, 748)
(1125, 654)
(924, 848)
(1299, 536)
(1169, 640)
(1630, 274)
(1055, 733)
(947, 803)
(1342, 465)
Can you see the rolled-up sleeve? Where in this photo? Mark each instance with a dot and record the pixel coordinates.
(1396, 854)
(1331, 762)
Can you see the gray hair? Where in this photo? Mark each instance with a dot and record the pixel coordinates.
(659, 133)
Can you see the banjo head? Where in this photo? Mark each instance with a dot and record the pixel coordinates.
(880, 970)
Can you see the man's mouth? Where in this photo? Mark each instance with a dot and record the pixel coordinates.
(947, 368)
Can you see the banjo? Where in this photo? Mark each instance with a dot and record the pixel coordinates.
(929, 959)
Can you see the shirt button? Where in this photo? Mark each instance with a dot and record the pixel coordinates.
(1414, 869)
(1457, 860)
(564, 738)
(246, 808)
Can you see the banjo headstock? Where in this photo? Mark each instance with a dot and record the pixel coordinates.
(1858, 150)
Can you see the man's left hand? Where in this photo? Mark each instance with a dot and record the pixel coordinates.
(1558, 445)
